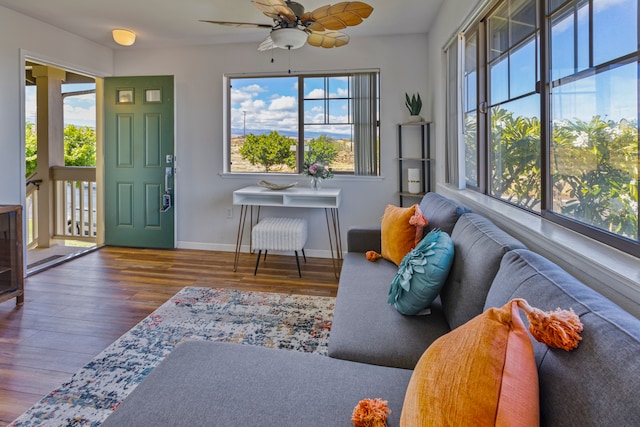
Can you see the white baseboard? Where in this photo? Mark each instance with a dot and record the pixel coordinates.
(315, 253)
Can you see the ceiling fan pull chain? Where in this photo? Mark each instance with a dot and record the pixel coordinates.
(289, 59)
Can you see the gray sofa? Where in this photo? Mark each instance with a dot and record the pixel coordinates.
(373, 348)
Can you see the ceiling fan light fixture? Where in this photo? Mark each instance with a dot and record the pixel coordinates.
(123, 37)
(288, 38)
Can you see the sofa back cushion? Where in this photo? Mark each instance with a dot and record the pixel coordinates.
(479, 247)
(595, 384)
(441, 212)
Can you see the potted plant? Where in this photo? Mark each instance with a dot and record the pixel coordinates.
(414, 105)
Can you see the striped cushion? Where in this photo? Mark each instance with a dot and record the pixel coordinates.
(279, 234)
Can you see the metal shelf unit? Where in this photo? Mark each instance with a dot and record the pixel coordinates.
(423, 161)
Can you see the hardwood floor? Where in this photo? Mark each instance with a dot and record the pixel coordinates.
(75, 310)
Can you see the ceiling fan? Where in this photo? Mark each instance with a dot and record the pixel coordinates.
(293, 27)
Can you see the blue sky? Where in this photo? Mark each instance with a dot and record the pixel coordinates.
(78, 110)
(612, 94)
(267, 103)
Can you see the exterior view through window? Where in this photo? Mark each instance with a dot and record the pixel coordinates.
(561, 142)
(594, 114)
(332, 119)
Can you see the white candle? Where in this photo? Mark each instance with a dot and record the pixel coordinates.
(413, 178)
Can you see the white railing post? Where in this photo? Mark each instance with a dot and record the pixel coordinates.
(31, 212)
(74, 199)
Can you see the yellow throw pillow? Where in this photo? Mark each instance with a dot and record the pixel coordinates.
(401, 231)
(480, 374)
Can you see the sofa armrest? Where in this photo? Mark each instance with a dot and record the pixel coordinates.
(363, 239)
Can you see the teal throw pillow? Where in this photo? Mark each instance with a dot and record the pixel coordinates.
(422, 273)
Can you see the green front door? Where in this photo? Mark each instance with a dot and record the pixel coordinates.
(138, 163)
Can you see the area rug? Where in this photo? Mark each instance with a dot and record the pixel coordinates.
(294, 322)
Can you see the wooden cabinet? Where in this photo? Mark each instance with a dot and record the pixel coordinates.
(11, 264)
(414, 151)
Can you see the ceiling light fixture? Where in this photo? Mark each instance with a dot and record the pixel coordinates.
(123, 37)
(289, 38)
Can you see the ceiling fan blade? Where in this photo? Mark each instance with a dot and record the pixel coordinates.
(328, 39)
(274, 9)
(238, 24)
(267, 44)
(339, 16)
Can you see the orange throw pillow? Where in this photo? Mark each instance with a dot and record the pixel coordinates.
(481, 374)
(401, 231)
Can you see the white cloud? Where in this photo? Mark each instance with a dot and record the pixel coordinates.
(30, 107)
(284, 103)
(80, 110)
(277, 113)
(600, 5)
(245, 93)
(316, 93)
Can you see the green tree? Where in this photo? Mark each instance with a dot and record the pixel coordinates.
(79, 146)
(471, 149)
(595, 173)
(268, 150)
(31, 152)
(322, 150)
(515, 158)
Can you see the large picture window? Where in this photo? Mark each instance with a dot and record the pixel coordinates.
(560, 141)
(279, 124)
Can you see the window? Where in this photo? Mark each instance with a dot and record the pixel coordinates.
(470, 106)
(332, 119)
(513, 104)
(594, 115)
(560, 141)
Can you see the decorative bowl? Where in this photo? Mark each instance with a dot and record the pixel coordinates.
(272, 186)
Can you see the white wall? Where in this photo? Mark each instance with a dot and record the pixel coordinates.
(20, 35)
(203, 195)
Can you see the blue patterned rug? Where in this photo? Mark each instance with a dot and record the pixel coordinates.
(293, 322)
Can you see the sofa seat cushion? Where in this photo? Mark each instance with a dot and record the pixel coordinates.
(367, 329)
(225, 384)
(595, 384)
(479, 248)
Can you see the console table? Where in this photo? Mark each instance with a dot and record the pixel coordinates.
(294, 197)
(11, 267)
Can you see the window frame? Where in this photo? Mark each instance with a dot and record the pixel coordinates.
(479, 26)
(301, 123)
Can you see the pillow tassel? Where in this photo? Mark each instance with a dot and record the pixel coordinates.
(559, 329)
(373, 256)
(419, 221)
(370, 413)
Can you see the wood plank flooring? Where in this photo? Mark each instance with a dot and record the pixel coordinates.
(75, 310)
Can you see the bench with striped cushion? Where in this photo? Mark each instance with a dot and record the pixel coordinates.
(279, 234)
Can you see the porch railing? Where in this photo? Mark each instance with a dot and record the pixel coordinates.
(74, 189)
(31, 211)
